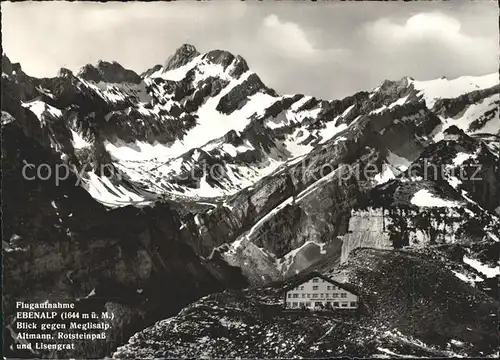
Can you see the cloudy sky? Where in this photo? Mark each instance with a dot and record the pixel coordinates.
(325, 49)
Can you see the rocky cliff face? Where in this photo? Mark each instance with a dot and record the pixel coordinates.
(367, 228)
(59, 243)
(109, 73)
(197, 173)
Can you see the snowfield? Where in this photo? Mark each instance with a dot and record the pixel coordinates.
(443, 88)
(78, 141)
(424, 198)
(489, 272)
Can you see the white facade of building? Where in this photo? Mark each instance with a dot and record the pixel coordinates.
(317, 293)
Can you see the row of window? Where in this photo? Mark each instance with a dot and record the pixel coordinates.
(316, 296)
(301, 304)
(315, 287)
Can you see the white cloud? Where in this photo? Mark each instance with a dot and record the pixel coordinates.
(416, 28)
(289, 40)
(427, 28)
(431, 39)
(286, 37)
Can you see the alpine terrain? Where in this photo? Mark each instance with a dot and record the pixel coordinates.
(186, 198)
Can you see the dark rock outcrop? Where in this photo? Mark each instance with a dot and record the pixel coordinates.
(59, 241)
(182, 56)
(238, 96)
(109, 72)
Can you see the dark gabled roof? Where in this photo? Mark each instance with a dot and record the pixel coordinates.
(300, 279)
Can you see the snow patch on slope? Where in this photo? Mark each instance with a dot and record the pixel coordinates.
(41, 109)
(288, 260)
(385, 175)
(424, 198)
(461, 158)
(179, 73)
(331, 130)
(444, 88)
(78, 141)
(139, 150)
(211, 124)
(109, 194)
(467, 279)
(473, 112)
(489, 272)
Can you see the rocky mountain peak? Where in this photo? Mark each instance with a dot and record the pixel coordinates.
(221, 57)
(453, 133)
(182, 56)
(90, 72)
(406, 80)
(111, 72)
(64, 72)
(6, 65)
(148, 72)
(395, 86)
(11, 68)
(225, 58)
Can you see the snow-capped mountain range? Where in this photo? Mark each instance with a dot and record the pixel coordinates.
(196, 173)
(168, 125)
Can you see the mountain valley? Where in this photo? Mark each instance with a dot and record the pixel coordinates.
(186, 197)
